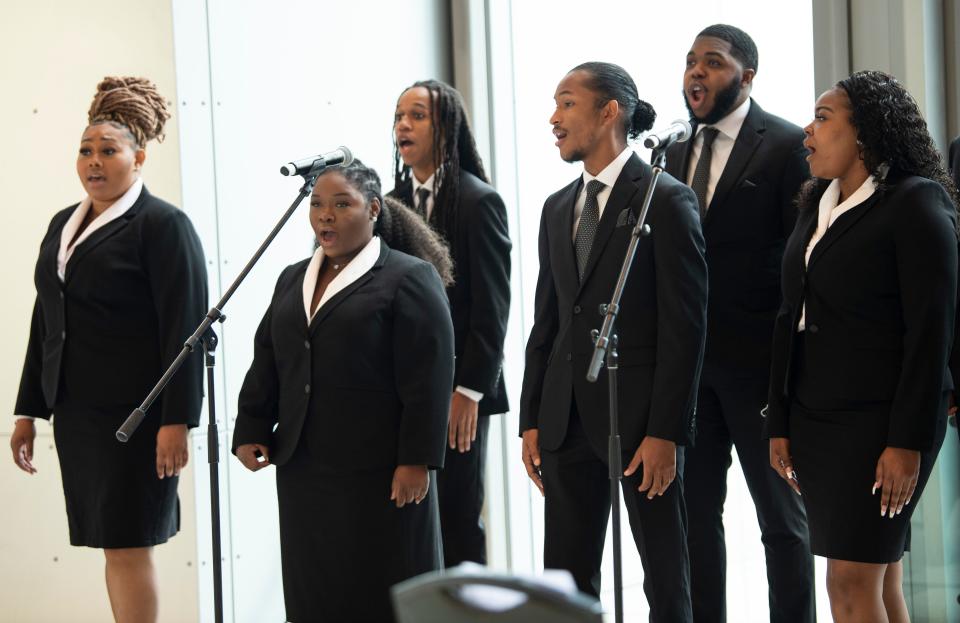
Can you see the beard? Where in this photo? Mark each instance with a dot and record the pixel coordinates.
(723, 103)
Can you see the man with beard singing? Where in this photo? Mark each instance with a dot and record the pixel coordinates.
(745, 166)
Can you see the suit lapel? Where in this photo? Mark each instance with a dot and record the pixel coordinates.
(622, 193)
(840, 226)
(102, 234)
(678, 157)
(562, 230)
(749, 138)
(48, 252)
(342, 295)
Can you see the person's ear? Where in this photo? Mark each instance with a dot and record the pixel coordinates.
(610, 111)
(138, 158)
(374, 209)
(747, 79)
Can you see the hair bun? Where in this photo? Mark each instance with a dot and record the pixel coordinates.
(643, 117)
(132, 102)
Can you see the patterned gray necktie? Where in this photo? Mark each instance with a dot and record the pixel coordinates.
(701, 176)
(587, 228)
(422, 193)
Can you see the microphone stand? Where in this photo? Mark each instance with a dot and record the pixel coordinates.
(605, 346)
(205, 335)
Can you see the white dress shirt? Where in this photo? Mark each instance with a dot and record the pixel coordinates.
(728, 130)
(831, 208)
(428, 184)
(608, 176)
(70, 228)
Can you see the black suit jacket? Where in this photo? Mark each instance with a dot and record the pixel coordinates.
(661, 324)
(133, 292)
(367, 384)
(880, 293)
(480, 295)
(746, 227)
(954, 163)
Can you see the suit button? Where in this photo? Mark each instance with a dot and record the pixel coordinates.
(576, 309)
(569, 357)
(306, 388)
(813, 328)
(63, 335)
(61, 295)
(306, 344)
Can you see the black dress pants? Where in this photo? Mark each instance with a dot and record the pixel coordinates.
(728, 414)
(577, 508)
(460, 492)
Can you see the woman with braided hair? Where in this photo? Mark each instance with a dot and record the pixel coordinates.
(121, 283)
(347, 395)
(859, 381)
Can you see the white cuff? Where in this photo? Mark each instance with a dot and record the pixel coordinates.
(25, 417)
(470, 393)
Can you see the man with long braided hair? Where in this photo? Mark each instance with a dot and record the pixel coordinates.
(439, 173)
(121, 282)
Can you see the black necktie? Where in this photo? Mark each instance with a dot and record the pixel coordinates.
(587, 228)
(701, 176)
(422, 193)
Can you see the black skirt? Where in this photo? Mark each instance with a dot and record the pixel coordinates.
(835, 456)
(114, 498)
(343, 543)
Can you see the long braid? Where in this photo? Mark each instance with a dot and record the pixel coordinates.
(133, 103)
(453, 146)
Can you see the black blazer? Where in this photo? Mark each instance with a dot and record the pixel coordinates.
(880, 293)
(746, 227)
(661, 324)
(480, 295)
(367, 384)
(134, 291)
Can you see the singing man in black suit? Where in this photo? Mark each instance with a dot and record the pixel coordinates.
(745, 166)
(438, 173)
(585, 229)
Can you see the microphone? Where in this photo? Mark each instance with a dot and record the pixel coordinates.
(316, 164)
(677, 132)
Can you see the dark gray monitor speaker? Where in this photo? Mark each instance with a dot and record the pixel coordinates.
(456, 596)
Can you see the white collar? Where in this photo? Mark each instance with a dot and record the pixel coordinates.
(358, 266)
(830, 206)
(117, 209)
(730, 125)
(611, 172)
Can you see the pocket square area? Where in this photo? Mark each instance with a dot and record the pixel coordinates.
(626, 218)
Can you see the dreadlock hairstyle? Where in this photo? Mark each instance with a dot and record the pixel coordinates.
(612, 82)
(131, 104)
(891, 133)
(453, 147)
(400, 227)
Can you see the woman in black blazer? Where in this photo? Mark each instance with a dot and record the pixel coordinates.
(859, 382)
(121, 283)
(348, 395)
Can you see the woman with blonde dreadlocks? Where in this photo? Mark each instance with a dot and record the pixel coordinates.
(121, 283)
